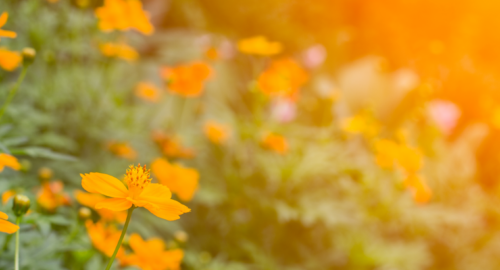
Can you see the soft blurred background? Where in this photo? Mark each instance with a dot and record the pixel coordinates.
(384, 157)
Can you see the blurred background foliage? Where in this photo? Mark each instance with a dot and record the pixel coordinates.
(325, 204)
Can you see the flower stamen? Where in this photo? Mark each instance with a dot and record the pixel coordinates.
(137, 178)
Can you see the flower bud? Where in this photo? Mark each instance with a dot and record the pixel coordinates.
(45, 174)
(25, 165)
(28, 56)
(21, 205)
(82, 3)
(84, 213)
(181, 236)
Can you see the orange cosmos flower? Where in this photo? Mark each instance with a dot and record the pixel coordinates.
(7, 160)
(103, 238)
(186, 80)
(259, 45)
(140, 193)
(5, 33)
(151, 254)
(171, 146)
(123, 15)
(421, 191)
(386, 153)
(123, 150)
(362, 123)
(90, 200)
(215, 132)
(410, 159)
(180, 180)
(275, 142)
(51, 196)
(119, 50)
(7, 195)
(9, 60)
(6, 226)
(283, 78)
(147, 91)
(212, 53)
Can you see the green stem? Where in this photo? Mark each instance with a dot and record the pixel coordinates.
(129, 215)
(16, 258)
(13, 91)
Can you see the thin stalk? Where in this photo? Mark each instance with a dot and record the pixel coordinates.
(16, 258)
(112, 259)
(13, 90)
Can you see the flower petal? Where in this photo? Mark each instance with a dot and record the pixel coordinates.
(155, 193)
(115, 204)
(104, 184)
(8, 227)
(3, 18)
(3, 215)
(170, 210)
(9, 34)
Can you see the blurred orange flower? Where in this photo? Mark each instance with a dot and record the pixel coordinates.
(361, 124)
(187, 80)
(9, 60)
(103, 238)
(147, 91)
(180, 180)
(275, 142)
(140, 193)
(51, 195)
(5, 33)
(259, 45)
(90, 200)
(123, 15)
(215, 132)
(212, 53)
(7, 195)
(421, 191)
(283, 78)
(171, 146)
(410, 159)
(122, 149)
(119, 50)
(7, 160)
(386, 153)
(6, 226)
(151, 254)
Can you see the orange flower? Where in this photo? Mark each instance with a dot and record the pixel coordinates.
(123, 150)
(9, 60)
(147, 91)
(386, 153)
(140, 193)
(362, 123)
(51, 195)
(275, 142)
(103, 238)
(123, 15)
(421, 191)
(410, 159)
(9, 161)
(5, 33)
(212, 53)
(90, 200)
(180, 180)
(283, 78)
(6, 226)
(259, 45)
(186, 80)
(215, 132)
(151, 254)
(7, 195)
(171, 146)
(119, 50)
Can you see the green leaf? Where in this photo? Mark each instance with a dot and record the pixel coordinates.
(40, 152)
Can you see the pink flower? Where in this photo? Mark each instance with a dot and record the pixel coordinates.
(283, 110)
(445, 114)
(314, 56)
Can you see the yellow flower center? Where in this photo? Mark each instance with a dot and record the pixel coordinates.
(137, 178)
